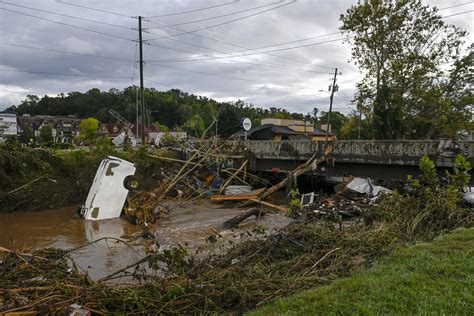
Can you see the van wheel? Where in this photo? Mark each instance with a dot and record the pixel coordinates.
(131, 183)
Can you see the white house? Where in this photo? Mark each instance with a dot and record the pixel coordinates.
(8, 125)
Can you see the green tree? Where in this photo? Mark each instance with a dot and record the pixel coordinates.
(88, 128)
(401, 47)
(195, 125)
(355, 126)
(229, 121)
(46, 134)
(26, 136)
(162, 127)
(337, 120)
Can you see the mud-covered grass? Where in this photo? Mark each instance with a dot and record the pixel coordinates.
(428, 278)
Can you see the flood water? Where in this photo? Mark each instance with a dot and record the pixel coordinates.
(189, 224)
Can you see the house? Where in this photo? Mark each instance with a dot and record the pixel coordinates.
(112, 130)
(270, 132)
(64, 129)
(8, 125)
(296, 125)
(302, 127)
(320, 135)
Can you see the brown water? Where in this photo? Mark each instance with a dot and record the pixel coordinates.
(189, 224)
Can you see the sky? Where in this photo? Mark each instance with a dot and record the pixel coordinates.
(227, 50)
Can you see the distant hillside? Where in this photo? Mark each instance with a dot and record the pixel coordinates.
(173, 108)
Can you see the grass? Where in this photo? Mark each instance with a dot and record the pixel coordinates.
(428, 278)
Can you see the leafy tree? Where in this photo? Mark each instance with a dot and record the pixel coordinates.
(88, 128)
(350, 128)
(162, 127)
(26, 136)
(229, 121)
(195, 125)
(337, 120)
(402, 47)
(46, 134)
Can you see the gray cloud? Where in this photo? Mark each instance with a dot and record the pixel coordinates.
(294, 89)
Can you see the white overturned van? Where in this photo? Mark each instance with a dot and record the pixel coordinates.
(108, 193)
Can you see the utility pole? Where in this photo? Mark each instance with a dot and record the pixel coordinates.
(360, 120)
(142, 93)
(333, 89)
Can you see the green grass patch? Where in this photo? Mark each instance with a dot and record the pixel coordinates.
(427, 278)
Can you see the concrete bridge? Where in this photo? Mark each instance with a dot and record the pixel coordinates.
(381, 159)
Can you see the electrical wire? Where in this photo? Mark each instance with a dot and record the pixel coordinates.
(191, 11)
(243, 47)
(464, 12)
(94, 9)
(159, 83)
(65, 52)
(289, 42)
(255, 53)
(455, 6)
(259, 63)
(223, 23)
(68, 16)
(65, 24)
(220, 16)
(205, 73)
(62, 74)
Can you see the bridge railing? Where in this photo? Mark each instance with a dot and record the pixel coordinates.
(403, 152)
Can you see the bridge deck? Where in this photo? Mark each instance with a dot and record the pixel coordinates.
(364, 155)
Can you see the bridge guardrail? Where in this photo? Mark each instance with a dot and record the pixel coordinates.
(397, 152)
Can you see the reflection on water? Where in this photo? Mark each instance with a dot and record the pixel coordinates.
(188, 224)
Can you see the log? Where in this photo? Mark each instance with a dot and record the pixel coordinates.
(234, 221)
(277, 207)
(239, 197)
(301, 169)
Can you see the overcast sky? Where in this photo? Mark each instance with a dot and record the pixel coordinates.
(296, 79)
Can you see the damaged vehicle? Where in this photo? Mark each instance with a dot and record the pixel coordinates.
(112, 182)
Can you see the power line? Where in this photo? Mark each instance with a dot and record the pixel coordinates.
(223, 23)
(219, 16)
(94, 9)
(255, 53)
(159, 83)
(455, 6)
(286, 43)
(205, 73)
(235, 45)
(70, 25)
(464, 12)
(191, 11)
(62, 74)
(161, 46)
(262, 64)
(68, 16)
(65, 52)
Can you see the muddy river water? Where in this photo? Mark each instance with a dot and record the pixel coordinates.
(189, 224)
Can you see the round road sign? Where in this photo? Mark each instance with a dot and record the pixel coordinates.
(246, 124)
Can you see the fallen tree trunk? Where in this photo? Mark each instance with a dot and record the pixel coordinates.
(309, 165)
(234, 221)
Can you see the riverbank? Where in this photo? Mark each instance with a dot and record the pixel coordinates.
(34, 179)
(427, 278)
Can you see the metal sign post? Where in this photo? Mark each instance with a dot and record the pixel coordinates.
(246, 125)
